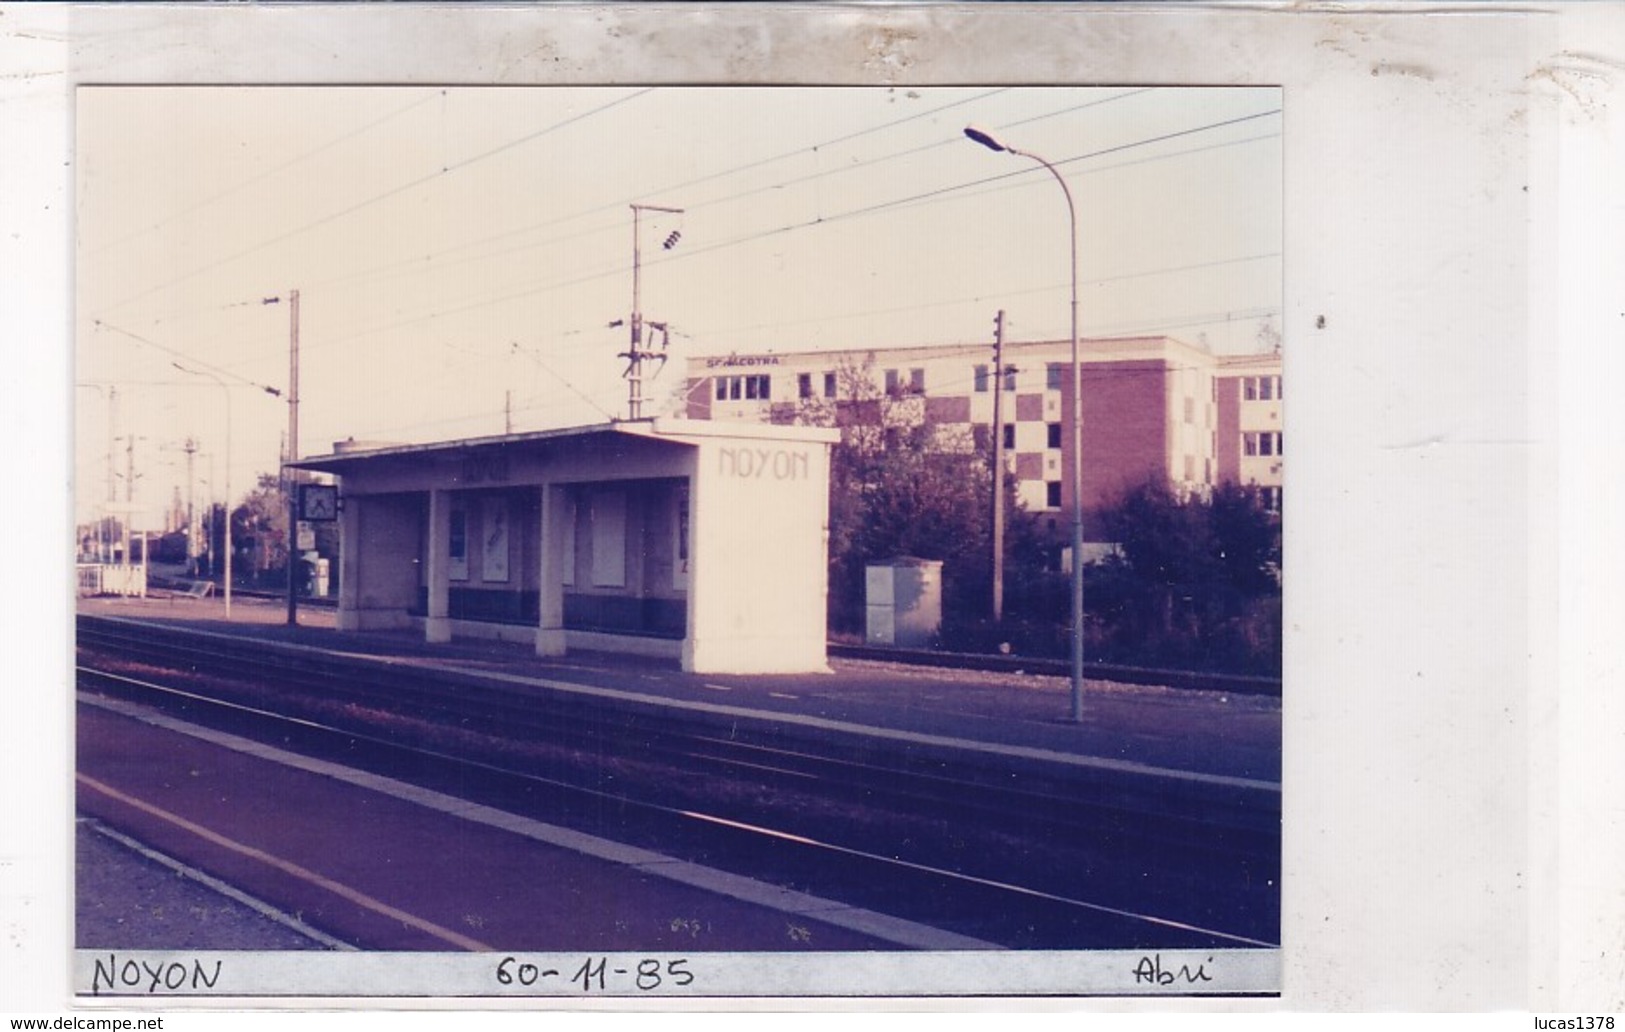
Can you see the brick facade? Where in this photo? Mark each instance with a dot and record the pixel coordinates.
(1152, 407)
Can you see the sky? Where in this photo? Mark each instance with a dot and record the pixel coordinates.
(461, 255)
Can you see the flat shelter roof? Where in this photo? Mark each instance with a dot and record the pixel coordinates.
(681, 432)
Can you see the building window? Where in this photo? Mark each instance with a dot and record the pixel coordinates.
(804, 385)
(1052, 376)
(1009, 435)
(1009, 378)
(829, 385)
(981, 436)
(1054, 439)
(730, 388)
(1271, 498)
(916, 380)
(1052, 494)
(891, 382)
(981, 379)
(759, 387)
(1263, 444)
(1261, 388)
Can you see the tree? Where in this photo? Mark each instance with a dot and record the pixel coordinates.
(1268, 336)
(902, 485)
(259, 527)
(1197, 582)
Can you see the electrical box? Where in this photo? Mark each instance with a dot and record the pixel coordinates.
(904, 602)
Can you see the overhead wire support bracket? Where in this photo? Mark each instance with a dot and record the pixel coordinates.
(636, 352)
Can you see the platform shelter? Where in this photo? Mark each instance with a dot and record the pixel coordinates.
(700, 541)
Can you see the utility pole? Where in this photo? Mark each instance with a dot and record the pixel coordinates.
(998, 467)
(636, 351)
(291, 478)
(208, 533)
(129, 493)
(103, 534)
(191, 514)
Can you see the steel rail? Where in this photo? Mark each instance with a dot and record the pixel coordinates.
(961, 785)
(994, 896)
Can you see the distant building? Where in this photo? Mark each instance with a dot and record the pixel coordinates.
(1250, 439)
(1152, 407)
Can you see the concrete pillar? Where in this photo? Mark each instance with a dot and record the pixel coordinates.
(550, 581)
(698, 619)
(350, 565)
(438, 626)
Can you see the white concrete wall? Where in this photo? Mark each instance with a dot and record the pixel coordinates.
(379, 584)
(759, 544)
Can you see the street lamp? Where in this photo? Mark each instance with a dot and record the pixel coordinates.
(987, 140)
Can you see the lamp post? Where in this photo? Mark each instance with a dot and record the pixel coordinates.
(987, 140)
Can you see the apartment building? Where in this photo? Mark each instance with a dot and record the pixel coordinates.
(1247, 389)
(1152, 406)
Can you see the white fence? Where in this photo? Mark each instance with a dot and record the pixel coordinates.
(103, 579)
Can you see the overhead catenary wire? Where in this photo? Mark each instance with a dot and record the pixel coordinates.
(438, 261)
(825, 173)
(405, 318)
(504, 297)
(242, 185)
(562, 379)
(693, 252)
(606, 207)
(192, 359)
(983, 300)
(439, 258)
(375, 199)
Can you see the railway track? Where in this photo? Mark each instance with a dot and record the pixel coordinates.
(1122, 673)
(1009, 849)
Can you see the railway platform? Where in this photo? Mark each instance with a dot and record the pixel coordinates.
(1196, 733)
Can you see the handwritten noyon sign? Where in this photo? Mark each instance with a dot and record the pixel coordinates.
(762, 463)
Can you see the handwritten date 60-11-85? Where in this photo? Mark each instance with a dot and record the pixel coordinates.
(594, 974)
